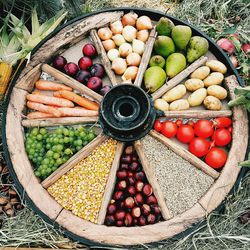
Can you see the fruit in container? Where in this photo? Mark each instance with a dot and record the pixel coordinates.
(133, 59)
(197, 47)
(222, 137)
(116, 27)
(97, 70)
(154, 78)
(85, 63)
(169, 129)
(164, 46)
(175, 93)
(157, 60)
(108, 44)
(217, 91)
(59, 62)
(212, 103)
(138, 46)
(142, 35)
(125, 49)
(119, 65)
(203, 128)
(200, 73)
(104, 33)
(113, 54)
(175, 63)
(89, 50)
(214, 78)
(185, 133)
(130, 73)
(118, 39)
(199, 146)
(193, 84)
(94, 83)
(181, 35)
(181, 104)
(129, 33)
(161, 104)
(144, 23)
(105, 89)
(217, 66)
(164, 26)
(129, 19)
(197, 97)
(83, 76)
(71, 69)
(216, 158)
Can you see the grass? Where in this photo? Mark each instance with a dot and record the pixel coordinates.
(219, 231)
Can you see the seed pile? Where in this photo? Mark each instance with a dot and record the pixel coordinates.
(82, 188)
(181, 183)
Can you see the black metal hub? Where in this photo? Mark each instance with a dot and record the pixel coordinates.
(126, 113)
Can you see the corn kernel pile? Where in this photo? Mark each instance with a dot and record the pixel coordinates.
(82, 188)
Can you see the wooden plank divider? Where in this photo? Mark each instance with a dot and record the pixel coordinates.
(185, 154)
(83, 153)
(166, 214)
(67, 80)
(179, 78)
(110, 183)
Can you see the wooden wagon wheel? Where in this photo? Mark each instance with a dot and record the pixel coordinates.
(37, 191)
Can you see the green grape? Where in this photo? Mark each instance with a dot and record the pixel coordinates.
(79, 142)
(71, 139)
(81, 129)
(56, 155)
(43, 131)
(66, 139)
(32, 151)
(36, 155)
(85, 143)
(52, 162)
(45, 161)
(55, 140)
(34, 131)
(48, 171)
(39, 137)
(39, 145)
(54, 148)
(64, 159)
(61, 141)
(54, 168)
(59, 148)
(68, 151)
(43, 171)
(66, 132)
(91, 136)
(42, 151)
(59, 161)
(82, 134)
(77, 133)
(48, 146)
(78, 148)
(50, 153)
(29, 141)
(91, 131)
(37, 173)
(71, 133)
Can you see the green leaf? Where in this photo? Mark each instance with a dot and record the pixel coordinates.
(34, 21)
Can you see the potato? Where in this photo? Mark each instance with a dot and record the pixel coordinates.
(181, 104)
(217, 66)
(161, 104)
(193, 84)
(213, 79)
(200, 73)
(212, 103)
(197, 97)
(175, 93)
(217, 91)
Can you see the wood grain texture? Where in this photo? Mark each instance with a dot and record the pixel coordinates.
(166, 214)
(179, 78)
(146, 57)
(51, 122)
(67, 80)
(83, 153)
(104, 58)
(219, 190)
(21, 164)
(185, 154)
(110, 183)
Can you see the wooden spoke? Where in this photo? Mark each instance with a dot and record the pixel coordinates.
(179, 78)
(83, 153)
(110, 183)
(51, 122)
(185, 154)
(67, 80)
(153, 181)
(198, 114)
(104, 58)
(146, 57)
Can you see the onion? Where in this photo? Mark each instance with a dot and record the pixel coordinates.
(129, 19)
(226, 45)
(130, 73)
(108, 44)
(125, 49)
(116, 27)
(113, 54)
(246, 48)
(142, 35)
(118, 39)
(138, 46)
(234, 60)
(133, 59)
(119, 65)
(129, 33)
(144, 23)
(104, 33)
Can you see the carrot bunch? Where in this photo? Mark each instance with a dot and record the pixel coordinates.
(61, 104)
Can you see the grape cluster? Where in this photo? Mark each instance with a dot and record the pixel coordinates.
(48, 149)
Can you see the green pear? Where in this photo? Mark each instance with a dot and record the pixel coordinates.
(154, 78)
(197, 47)
(175, 63)
(181, 35)
(164, 46)
(157, 61)
(164, 26)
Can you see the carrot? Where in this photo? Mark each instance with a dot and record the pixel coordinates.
(77, 112)
(82, 101)
(56, 94)
(50, 100)
(48, 85)
(43, 108)
(39, 115)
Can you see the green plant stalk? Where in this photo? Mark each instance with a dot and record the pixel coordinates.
(241, 100)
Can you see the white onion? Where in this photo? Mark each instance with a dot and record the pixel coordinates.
(108, 44)
(125, 49)
(129, 33)
(138, 46)
(113, 54)
(104, 33)
(144, 23)
(116, 27)
(142, 35)
(133, 59)
(119, 65)
(129, 19)
(118, 39)
(130, 73)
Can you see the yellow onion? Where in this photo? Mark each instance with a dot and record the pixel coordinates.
(129, 33)
(133, 59)
(116, 27)
(142, 35)
(118, 39)
(144, 23)
(119, 65)
(104, 33)
(129, 19)
(125, 49)
(130, 73)
(138, 46)
(108, 44)
(113, 54)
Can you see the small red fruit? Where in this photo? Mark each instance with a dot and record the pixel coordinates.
(71, 69)
(155, 209)
(142, 221)
(121, 185)
(204, 128)
(134, 166)
(126, 158)
(139, 186)
(136, 212)
(118, 195)
(246, 48)
(121, 174)
(119, 223)
(158, 126)
(151, 219)
(130, 174)
(59, 62)
(129, 202)
(94, 83)
(146, 209)
(178, 123)
(169, 129)
(222, 122)
(111, 209)
(131, 181)
(185, 133)
(110, 220)
(199, 146)
(147, 190)
(222, 137)
(124, 166)
(138, 199)
(119, 215)
(134, 158)
(84, 63)
(216, 158)
(89, 50)
(128, 220)
(151, 200)
(131, 190)
(140, 176)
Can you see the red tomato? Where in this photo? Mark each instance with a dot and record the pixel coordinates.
(230, 129)
(169, 129)
(216, 158)
(203, 128)
(222, 137)
(158, 126)
(191, 123)
(199, 146)
(222, 122)
(185, 133)
(178, 123)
